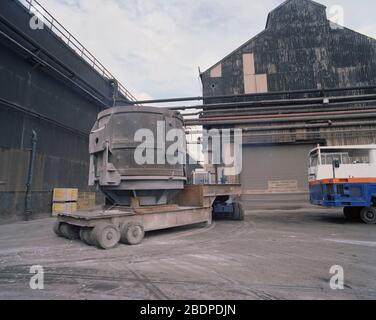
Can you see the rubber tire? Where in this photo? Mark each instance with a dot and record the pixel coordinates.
(238, 214)
(132, 233)
(69, 231)
(368, 215)
(56, 229)
(86, 236)
(101, 233)
(352, 213)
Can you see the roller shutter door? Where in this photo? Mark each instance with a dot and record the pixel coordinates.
(272, 171)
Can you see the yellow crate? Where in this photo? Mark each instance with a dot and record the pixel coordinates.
(86, 200)
(65, 195)
(85, 204)
(86, 195)
(68, 207)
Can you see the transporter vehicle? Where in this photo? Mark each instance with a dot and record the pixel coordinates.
(345, 176)
(132, 162)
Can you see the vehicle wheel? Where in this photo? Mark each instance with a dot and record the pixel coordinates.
(238, 211)
(352, 213)
(86, 236)
(132, 233)
(105, 236)
(368, 215)
(69, 231)
(57, 231)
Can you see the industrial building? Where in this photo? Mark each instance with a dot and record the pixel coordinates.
(52, 85)
(302, 81)
(188, 231)
(286, 89)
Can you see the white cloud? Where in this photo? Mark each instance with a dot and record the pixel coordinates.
(155, 47)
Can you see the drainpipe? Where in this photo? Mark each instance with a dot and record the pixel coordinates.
(114, 91)
(30, 175)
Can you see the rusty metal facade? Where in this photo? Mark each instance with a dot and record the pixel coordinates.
(300, 49)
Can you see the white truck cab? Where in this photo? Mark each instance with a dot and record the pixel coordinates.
(352, 162)
(345, 177)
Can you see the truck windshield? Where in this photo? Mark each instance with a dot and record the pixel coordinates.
(345, 157)
(313, 162)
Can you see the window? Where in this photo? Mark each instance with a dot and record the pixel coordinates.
(350, 157)
(314, 161)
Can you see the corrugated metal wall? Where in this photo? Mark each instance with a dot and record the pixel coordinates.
(34, 97)
(275, 176)
(299, 49)
(271, 169)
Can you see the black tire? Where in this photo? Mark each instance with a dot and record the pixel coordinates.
(105, 236)
(86, 236)
(69, 231)
(238, 213)
(57, 231)
(132, 233)
(368, 215)
(352, 213)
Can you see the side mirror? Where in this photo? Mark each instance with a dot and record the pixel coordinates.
(336, 164)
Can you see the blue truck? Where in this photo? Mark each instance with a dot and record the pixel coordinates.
(345, 176)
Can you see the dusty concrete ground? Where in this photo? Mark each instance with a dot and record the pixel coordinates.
(271, 255)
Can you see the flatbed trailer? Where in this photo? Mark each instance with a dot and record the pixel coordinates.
(106, 227)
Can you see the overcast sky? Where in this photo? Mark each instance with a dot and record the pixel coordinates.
(154, 47)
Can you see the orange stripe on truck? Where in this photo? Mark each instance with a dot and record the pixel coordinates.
(341, 181)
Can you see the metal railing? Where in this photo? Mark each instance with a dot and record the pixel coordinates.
(35, 8)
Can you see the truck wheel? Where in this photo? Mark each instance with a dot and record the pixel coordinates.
(57, 231)
(368, 215)
(69, 231)
(352, 213)
(238, 211)
(132, 233)
(86, 236)
(105, 236)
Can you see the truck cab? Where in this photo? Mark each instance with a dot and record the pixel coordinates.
(344, 176)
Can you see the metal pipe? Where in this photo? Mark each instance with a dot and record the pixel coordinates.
(281, 102)
(30, 175)
(289, 115)
(279, 109)
(322, 92)
(53, 68)
(236, 120)
(34, 44)
(37, 115)
(318, 133)
(283, 113)
(311, 126)
(247, 132)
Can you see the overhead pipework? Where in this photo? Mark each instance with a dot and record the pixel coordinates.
(300, 105)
